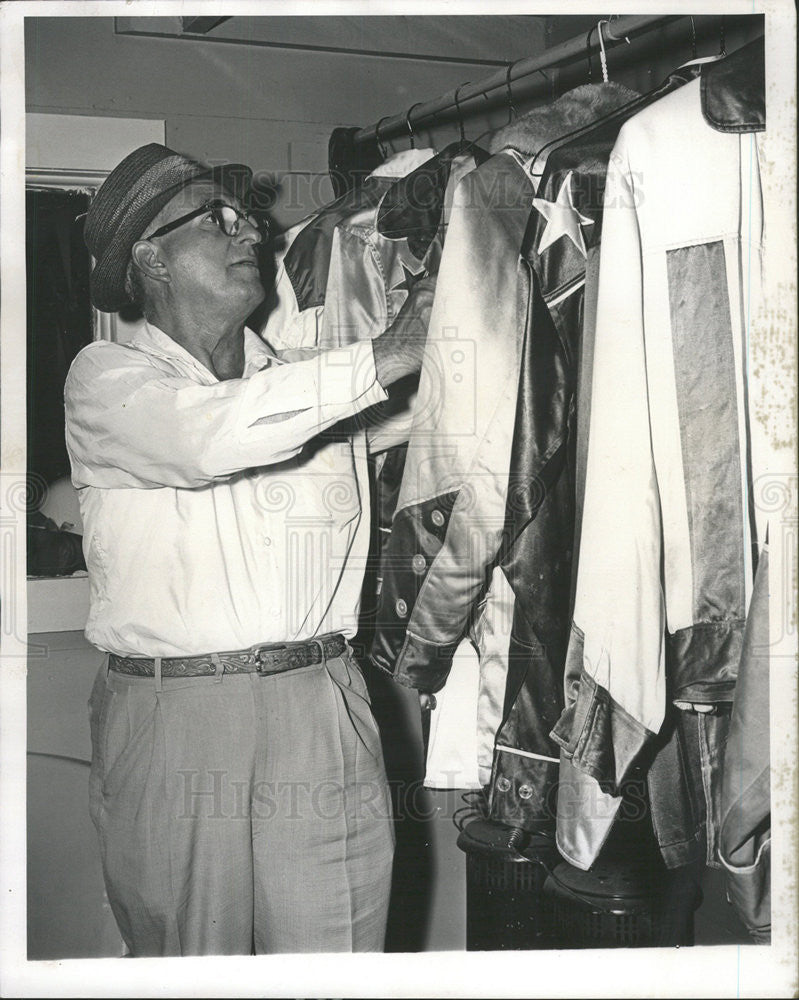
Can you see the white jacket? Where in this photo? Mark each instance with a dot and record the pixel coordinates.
(665, 564)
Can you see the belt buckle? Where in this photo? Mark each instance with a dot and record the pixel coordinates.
(265, 647)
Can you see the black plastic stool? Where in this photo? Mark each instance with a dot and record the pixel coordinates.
(506, 907)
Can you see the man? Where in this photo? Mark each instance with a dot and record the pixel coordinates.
(237, 780)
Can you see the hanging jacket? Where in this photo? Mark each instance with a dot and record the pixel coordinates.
(343, 275)
(769, 641)
(297, 318)
(454, 560)
(668, 533)
(458, 756)
(745, 834)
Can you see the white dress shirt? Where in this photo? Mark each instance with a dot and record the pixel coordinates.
(215, 516)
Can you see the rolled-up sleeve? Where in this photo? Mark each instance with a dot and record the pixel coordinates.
(131, 424)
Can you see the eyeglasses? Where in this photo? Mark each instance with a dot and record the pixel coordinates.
(225, 216)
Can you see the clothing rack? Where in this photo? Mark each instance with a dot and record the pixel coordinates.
(575, 48)
(354, 152)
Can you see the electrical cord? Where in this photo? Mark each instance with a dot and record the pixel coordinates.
(475, 807)
(515, 839)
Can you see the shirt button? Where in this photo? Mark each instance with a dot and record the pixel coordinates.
(525, 792)
(401, 608)
(418, 563)
(267, 540)
(503, 784)
(437, 518)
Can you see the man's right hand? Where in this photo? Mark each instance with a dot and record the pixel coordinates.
(399, 350)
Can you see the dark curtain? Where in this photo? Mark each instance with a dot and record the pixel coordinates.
(59, 323)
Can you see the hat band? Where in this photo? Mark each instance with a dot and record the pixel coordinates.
(159, 178)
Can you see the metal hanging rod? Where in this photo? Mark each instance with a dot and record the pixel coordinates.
(574, 48)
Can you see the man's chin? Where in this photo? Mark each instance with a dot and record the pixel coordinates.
(250, 277)
(259, 294)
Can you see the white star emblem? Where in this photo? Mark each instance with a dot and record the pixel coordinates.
(562, 217)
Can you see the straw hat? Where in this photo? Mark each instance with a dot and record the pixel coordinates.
(129, 199)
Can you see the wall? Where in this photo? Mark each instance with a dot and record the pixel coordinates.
(271, 108)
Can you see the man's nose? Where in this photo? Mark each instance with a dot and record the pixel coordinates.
(248, 233)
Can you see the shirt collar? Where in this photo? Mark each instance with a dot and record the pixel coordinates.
(153, 340)
(257, 353)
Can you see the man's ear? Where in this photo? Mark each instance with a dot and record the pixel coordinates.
(145, 256)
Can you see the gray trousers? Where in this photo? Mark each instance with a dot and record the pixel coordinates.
(242, 813)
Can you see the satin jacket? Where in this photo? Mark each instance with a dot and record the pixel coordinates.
(336, 256)
(669, 528)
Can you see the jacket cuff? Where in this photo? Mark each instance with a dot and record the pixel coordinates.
(523, 790)
(417, 535)
(599, 736)
(422, 665)
(702, 661)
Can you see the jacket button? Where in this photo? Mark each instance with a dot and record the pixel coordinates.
(525, 792)
(437, 518)
(401, 608)
(503, 784)
(418, 563)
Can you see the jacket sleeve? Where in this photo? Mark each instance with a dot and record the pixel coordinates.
(359, 306)
(615, 683)
(130, 424)
(451, 510)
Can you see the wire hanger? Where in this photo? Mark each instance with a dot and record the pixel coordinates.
(512, 112)
(381, 146)
(623, 109)
(408, 123)
(458, 108)
(611, 38)
(609, 34)
(602, 57)
(722, 39)
(693, 36)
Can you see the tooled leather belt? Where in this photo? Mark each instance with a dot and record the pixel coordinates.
(265, 658)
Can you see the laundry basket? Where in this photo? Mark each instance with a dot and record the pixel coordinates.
(506, 907)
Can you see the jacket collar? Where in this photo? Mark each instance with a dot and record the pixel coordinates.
(579, 108)
(412, 208)
(734, 90)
